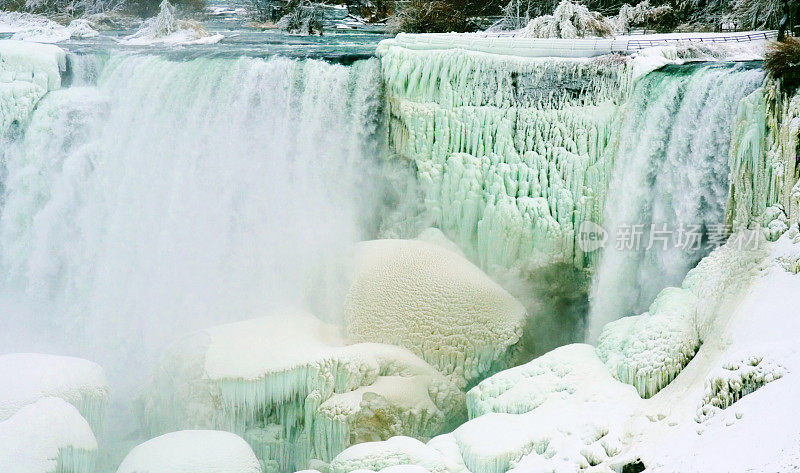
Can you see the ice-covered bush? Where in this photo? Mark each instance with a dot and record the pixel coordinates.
(569, 20)
(645, 14)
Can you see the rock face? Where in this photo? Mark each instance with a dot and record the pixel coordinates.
(435, 303)
(192, 451)
(291, 388)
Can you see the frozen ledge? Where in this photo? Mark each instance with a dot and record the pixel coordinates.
(509, 45)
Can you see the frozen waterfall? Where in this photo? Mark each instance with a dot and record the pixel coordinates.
(670, 184)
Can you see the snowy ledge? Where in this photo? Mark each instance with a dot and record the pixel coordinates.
(511, 45)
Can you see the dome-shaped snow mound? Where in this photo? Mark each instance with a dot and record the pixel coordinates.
(435, 303)
(27, 377)
(47, 436)
(192, 451)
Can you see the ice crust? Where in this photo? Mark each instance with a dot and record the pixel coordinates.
(294, 405)
(435, 303)
(192, 451)
(26, 378)
(47, 436)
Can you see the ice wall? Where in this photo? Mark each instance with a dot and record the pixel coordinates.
(763, 161)
(511, 153)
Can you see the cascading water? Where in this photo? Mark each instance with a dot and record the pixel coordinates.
(671, 177)
(178, 194)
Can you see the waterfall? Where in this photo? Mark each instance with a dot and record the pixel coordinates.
(670, 176)
(173, 195)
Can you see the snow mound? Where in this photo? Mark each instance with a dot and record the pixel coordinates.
(569, 372)
(295, 405)
(27, 377)
(435, 303)
(569, 20)
(379, 456)
(46, 436)
(165, 28)
(192, 451)
(649, 350)
(36, 28)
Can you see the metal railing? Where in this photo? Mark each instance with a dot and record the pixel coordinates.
(637, 44)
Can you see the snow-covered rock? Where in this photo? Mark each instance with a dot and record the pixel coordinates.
(47, 436)
(28, 377)
(165, 28)
(192, 451)
(290, 387)
(435, 303)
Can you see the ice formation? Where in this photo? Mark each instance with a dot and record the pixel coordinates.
(294, 405)
(47, 436)
(192, 451)
(511, 153)
(165, 28)
(763, 159)
(649, 350)
(435, 303)
(27, 72)
(27, 377)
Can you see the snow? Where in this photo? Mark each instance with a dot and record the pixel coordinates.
(435, 303)
(295, 405)
(36, 28)
(165, 28)
(47, 436)
(192, 451)
(28, 377)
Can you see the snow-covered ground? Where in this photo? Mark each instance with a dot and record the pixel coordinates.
(36, 28)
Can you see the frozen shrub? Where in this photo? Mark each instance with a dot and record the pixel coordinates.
(569, 20)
